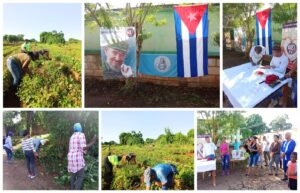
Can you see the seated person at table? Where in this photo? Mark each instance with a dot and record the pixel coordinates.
(279, 64)
(256, 54)
(279, 61)
(209, 149)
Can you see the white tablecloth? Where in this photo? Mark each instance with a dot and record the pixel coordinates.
(204, 166)
(241, 85)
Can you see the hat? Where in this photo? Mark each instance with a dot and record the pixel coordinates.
(77, 127)
(120, 45)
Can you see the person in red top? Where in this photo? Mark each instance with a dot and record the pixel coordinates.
(292, 171)
(76, 163)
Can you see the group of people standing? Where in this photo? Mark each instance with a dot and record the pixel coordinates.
(274, 155)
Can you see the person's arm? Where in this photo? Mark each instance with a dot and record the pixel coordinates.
(291, 147)
(26, 63)
(94, 139)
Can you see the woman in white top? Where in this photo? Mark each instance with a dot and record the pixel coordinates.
(30, 153)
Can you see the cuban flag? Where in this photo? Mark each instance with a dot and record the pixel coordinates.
(264, 29)
(191, 26)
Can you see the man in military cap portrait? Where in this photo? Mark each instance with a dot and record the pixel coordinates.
(114, 66)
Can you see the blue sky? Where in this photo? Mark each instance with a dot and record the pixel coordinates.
(150, 123)
(31, 19)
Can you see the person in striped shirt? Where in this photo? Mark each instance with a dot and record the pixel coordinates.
(30, 153)
(76, 163)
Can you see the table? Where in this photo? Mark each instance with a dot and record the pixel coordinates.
(233, 161)
(205, 166)
(242, 86)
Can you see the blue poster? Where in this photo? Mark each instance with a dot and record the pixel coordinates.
(118, 52)
(163, 65)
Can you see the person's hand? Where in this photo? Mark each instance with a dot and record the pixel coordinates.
(126, 71)
(35, 154)
(94, 139)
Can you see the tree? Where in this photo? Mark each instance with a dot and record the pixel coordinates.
(241, 15)
(283, 13)
(255, 123)
(131, 138)
(136, 16)
(53, 37)
(280, 123)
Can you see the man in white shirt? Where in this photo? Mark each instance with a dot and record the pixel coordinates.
(256, 54)
(209, 149)
(279, 61)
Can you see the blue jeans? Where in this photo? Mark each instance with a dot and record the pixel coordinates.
(253, 160)
(225, 162)
(15, 70)
(9, 153)
(30, 162)
(169, 183)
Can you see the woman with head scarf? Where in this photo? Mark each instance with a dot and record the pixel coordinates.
(76, 163)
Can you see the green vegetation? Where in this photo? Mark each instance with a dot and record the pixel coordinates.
(57, 128)
(173, 148)
(50, 83)
(228, 123)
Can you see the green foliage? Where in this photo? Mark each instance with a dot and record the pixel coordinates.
(55, 83)
(280, 123)
(53, 37)
(284, 12)
(128, 177)
(255, 123)
(58, 126)
(132, 138)
(13, 38)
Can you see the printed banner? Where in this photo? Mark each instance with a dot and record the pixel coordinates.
(118, 52)
(264, 29)
(289, 43)
(191, 26)
(163, 65)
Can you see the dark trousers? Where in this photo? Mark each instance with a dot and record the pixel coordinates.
(9, 153)
(292, 184)
(30, 162)
(77, 179)
(108, 174)
(267, 157)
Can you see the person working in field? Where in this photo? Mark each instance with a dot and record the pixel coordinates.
(115, 160)
(30, 153)
(161, 175)
(114, 66)
(25, 47)
(17, 64)
(8, 147)
(256, 54)
(76, 163)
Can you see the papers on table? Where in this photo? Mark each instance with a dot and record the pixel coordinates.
(205, 166)
(243, 86)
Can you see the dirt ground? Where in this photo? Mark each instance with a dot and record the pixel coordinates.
(15, 177)
(238, 181)
(232, 58)
(100, 93)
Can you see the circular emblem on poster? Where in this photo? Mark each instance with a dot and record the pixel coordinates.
(162, 64)
(291, 48)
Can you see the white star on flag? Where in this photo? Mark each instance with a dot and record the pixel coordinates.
(192, 16)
